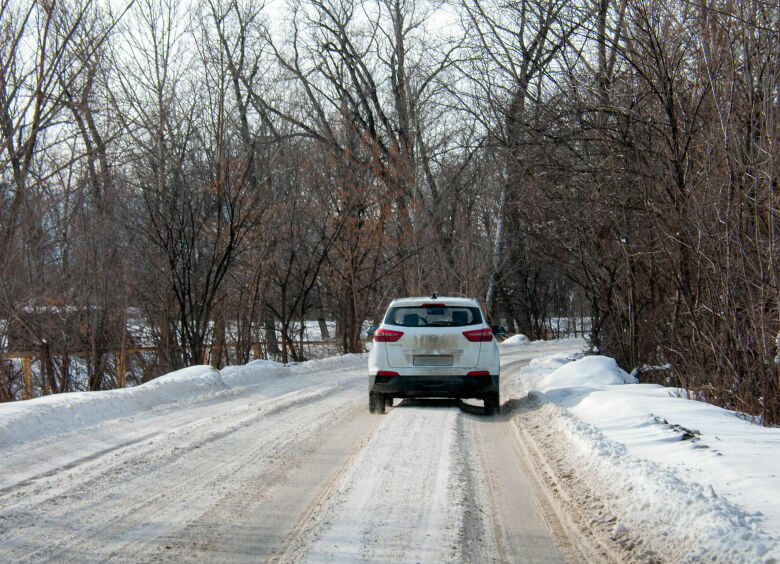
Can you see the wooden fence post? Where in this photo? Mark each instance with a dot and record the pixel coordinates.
(27, 377)
(120, 369)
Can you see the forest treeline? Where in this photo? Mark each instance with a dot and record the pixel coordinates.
(211, 173)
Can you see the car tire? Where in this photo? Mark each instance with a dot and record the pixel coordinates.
(376, 402)
(492, 404)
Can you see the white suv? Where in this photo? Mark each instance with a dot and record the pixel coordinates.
(434, 347)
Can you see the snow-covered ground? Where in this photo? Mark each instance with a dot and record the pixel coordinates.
(682, 472)
(40, 435)
(383, 520)
(692, 481)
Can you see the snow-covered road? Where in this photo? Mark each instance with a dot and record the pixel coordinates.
(284, 464)
(262, 463)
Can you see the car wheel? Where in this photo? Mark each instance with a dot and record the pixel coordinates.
(376, 402)
(492, 404)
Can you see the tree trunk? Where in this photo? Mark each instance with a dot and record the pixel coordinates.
(48, 368)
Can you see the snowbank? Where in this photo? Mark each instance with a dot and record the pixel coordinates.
(520, 341)
(588, 371)
(697, 479)
(61, 413)
(515, 341)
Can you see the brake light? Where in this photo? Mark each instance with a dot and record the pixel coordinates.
(433, 305)
(479, 335)
(386, 373)
(478, 373)
(387, 336)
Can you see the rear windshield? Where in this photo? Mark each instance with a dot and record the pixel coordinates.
(433, 316)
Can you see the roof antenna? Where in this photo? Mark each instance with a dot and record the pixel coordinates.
(433, 297)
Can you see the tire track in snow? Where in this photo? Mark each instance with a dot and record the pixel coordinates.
(402, 500)
(108, 507)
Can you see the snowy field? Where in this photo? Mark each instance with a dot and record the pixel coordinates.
(692, 481)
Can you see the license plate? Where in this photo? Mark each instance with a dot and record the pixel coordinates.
(433, 360)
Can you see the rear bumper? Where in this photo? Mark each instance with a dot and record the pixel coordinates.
(435, 386)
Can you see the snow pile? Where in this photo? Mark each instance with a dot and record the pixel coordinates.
(515, 341)
(687, 520)
(61, 413)
(588, 371)
(40, 417)
(540, 367)
(692, 479)
(333, 362)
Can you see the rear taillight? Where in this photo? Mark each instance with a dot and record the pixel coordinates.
(478, 373)
(479, 335)
(387, 336)
(386, 373)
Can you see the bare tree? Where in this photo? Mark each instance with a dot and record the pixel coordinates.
(196, 182)
(515, 47)
(49, 52)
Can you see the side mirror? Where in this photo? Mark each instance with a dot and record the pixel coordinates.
(498, 330)
(372, 330)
